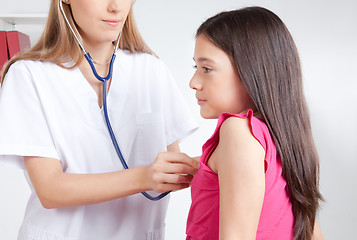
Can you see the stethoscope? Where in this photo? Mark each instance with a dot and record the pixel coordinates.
(105, 109)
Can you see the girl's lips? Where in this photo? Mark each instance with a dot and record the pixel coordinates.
(112, 23)
(200, 101)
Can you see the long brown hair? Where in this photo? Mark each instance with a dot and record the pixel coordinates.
(58, 45)
(267, 62)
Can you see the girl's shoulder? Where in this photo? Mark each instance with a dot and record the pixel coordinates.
(234, 127)
(240, 127)
(238, 143)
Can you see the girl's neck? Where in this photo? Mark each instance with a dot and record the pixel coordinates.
(256, 113)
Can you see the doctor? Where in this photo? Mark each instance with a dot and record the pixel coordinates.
(52, 126)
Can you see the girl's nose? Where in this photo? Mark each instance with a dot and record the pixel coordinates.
(195, 83)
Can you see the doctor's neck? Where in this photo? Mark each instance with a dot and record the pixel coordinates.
(100, 53)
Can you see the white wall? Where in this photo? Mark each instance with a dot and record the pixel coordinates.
(325, 32)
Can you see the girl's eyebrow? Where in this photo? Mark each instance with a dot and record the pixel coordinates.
(204, 59)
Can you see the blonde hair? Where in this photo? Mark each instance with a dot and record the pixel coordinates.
(58, 45)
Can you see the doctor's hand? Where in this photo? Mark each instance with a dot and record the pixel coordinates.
(172, 171)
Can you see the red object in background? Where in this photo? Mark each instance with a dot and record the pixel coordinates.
(4, 55)
(17, 42)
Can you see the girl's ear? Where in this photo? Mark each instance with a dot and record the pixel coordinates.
(65, 1)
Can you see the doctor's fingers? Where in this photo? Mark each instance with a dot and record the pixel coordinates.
(160, 178)
(173, 168)
(177, 157)
(171, 187)
(167, 182)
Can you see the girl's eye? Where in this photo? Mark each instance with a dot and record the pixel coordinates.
(207, 70)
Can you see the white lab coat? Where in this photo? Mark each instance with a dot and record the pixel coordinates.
(52, 112)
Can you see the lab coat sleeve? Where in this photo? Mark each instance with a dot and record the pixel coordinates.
(24, 130)
(179, 120)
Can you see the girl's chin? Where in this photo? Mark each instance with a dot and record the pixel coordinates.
(208, 116)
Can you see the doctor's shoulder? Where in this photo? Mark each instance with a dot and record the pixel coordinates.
(139, 57)
(143, 63)
(29, 70)
(31, 65)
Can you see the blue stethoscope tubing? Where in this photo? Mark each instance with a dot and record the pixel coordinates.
(105, 108)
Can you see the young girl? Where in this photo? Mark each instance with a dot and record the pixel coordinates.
(52, 125)
(258, 177)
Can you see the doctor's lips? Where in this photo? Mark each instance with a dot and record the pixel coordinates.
(112, 23)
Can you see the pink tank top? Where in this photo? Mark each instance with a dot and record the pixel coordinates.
(276, 219)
